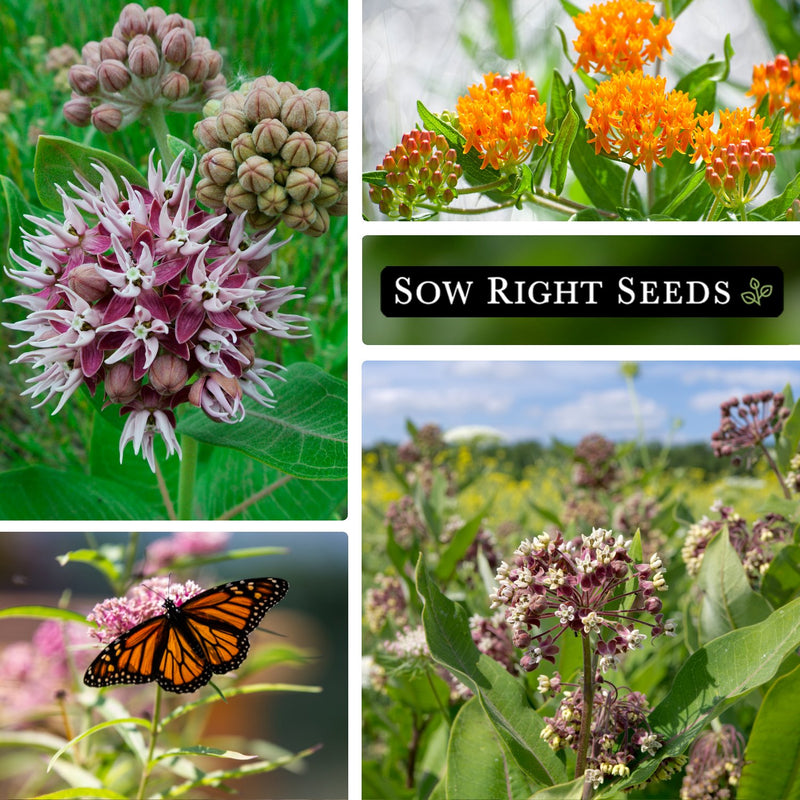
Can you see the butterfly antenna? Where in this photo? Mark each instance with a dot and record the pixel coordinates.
(269, 630)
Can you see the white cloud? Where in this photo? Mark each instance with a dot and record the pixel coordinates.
(434, 400)
(756, 377)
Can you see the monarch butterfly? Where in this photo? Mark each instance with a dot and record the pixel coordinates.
(181, 648)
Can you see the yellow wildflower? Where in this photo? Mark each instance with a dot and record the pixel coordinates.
(619, 36)
(632, 115)
(780, 79)
(502, 119)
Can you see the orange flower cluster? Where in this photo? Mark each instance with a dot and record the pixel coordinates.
(780, 79)
(735, 127)
(502, 119)
(619, 36)
(633, 116)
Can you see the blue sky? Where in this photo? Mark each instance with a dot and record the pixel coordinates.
(563, 399)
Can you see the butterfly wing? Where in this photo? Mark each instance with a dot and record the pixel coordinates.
(221, 618)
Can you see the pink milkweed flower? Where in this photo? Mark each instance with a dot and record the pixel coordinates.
(164, 551)
(141, 289)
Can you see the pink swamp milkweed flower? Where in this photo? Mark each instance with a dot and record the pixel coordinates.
(146, 299)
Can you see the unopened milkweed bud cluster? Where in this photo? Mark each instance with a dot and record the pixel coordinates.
(151, 58)
(276, 152)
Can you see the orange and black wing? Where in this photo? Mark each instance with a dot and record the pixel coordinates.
(221, 618)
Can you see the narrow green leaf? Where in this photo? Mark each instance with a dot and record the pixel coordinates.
(501, 696)
(304, 435)
(772, 758)
(43, 612)
(477, 765)
(204, 750)
(562, 146)
(679, 6)
(95, 559)
(58, 160)
(376, 177)
(781, 581)
(81, 792)
(571, 8)
(110, 723)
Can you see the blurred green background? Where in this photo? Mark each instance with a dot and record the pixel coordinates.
(570, 250)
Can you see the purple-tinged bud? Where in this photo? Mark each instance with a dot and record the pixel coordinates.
(239, 200)
(319, 98)
(201, 45)
(321, 224)
(168, 374)
(78, 111)
(246, 348)
(176, 46)
(205, 131)
(265, 82)
(195, 68)
(209, 193)
(218, 165)
(113, 75)
(339, 208)
(114, 48)
(273, 201)
(216, 87)
(299, 216)
(262, 103)
(340, 167)
(132, 21)
(82, 79)
(256, 174)
(87, 282)
(143, 58)
(106, 118)
(230, 124)
(302, 184)
(233, 101)
(329, 192)
(172, 21)
(298, 113)
(269, 136)
(214, 65)
(175, 85)
(90, 53)
(155, 16)
(299, 149)
(652, 605)
(286, 89)
(325, 158)
(326, 127)
(243, 147)
(119, 383)
(341, 142)
(521, 638)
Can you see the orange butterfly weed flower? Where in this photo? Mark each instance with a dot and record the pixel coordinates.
(502, 119)
(620, 36)
(632, 115)
(780, 80)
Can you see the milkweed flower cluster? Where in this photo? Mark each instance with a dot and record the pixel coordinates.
(152, 59)
(142, 292)
(117, 615)
(715, 765)
(594, 463)
(780, 80)
(619, 36)
(746, 423)
(755, 546)
(620, 731)
(276, 153)
(502, 119)
(385, 604)
(633, 116)
(578, 586)
(166, 550)
(422, 168)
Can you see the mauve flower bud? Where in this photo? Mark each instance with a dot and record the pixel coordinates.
(341, 141)
(325, 158)
(274, 201)
(340, 167)
(239, 200)
(87, 282)
(265, 82)
(247, 350)
(113, 75)
(175, 85)
(90, 53)
(243, 147)
(230, 386)
(176, 46)
(143, 58)
(155, 16)
(299, 149)
(302, 184)
(111, 47)
(325, 127)
(233, 101)
(230, 124)
(195, 68)
(319, 98)
(132, 21)
(286, 89)
(299, 215)
(216, 87)
(172, 21)
(298, 112)
(106, 118)
(168, 373)
(218, 165)
(261, 103)
(269, 136)
(82, 79)
(256, 174)
(320, 225)
(205, 131)
(339, 208)
(78, 111)
(119, 383)
(209, 193)
(329, 192)
(214, 65)
(201, 45)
